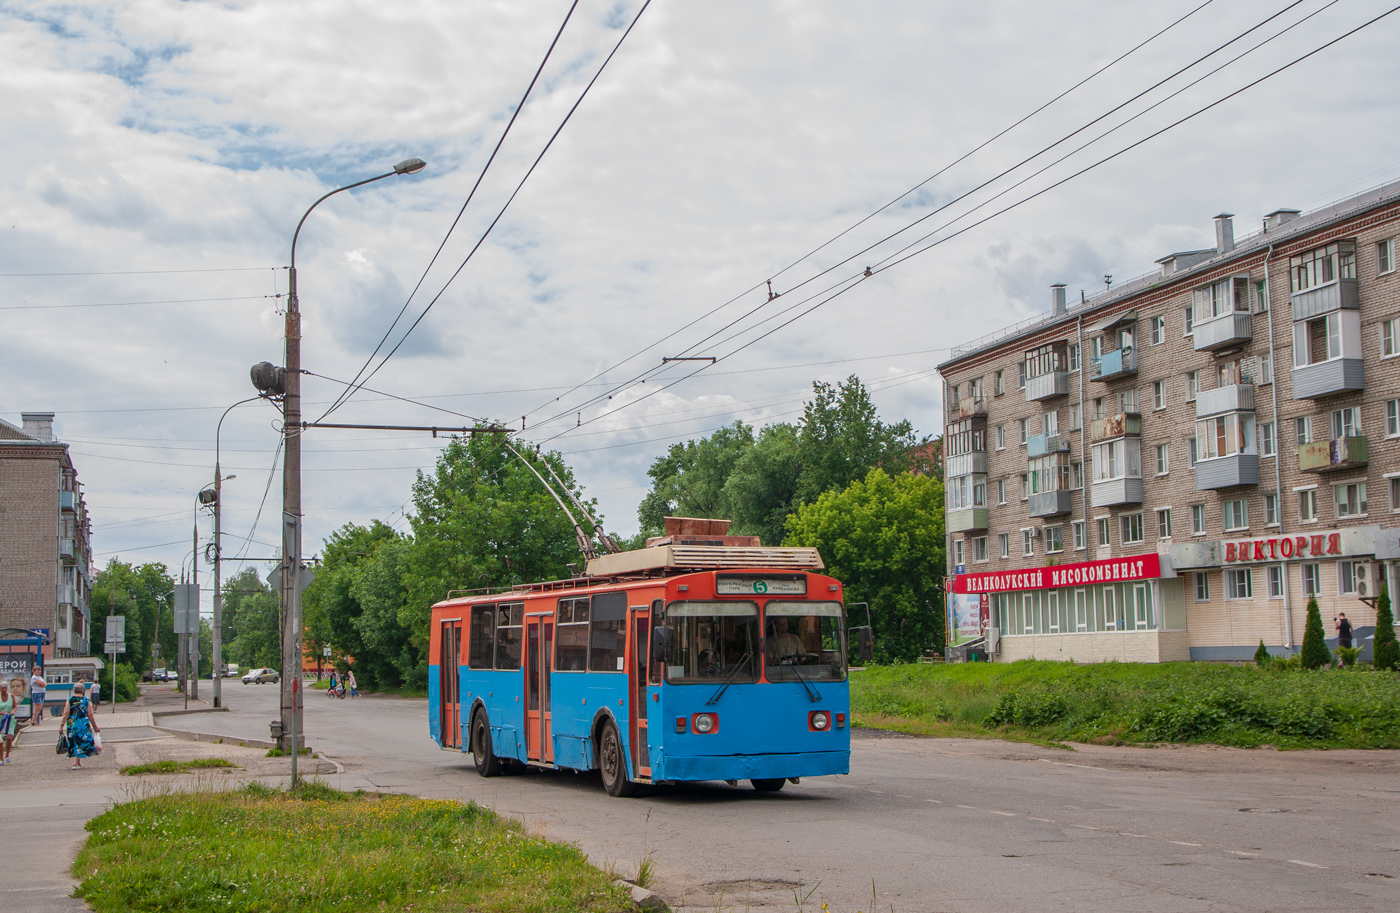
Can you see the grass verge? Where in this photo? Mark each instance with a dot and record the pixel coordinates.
(174, 767)
(322, 851)
(1128, 703)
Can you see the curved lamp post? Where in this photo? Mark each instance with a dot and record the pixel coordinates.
(291, 482)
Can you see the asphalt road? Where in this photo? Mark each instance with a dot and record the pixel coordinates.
(932, 824)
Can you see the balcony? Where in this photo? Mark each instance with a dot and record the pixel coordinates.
(970, 406)
(1113, 365)
(1116, 491)
(1041, 445)
(1227, 471)
(1120, 424)
(1233, 328)
(966, 519)
(63, 639)
(68, 500)
(67, 594)
(965, 464)
(1334, 456)
(1050, 503)
(1234, 398)
(1341, 295)
(1047, 386)
(1326, 378)
(67, 548)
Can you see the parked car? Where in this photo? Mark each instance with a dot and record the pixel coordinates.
(258, 676)
(231, 670)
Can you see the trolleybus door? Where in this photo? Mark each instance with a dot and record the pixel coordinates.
(637, 686)
(539, 652)
(449, 698)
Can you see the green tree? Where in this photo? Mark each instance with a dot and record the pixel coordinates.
(259, 638)
(1262, 656)
(1385, 653)
(841, 438)
(762, 488)
(689, 481)
(144, 595)
(393, 631)
(1315, 653)
(333, 609)
(883, 539)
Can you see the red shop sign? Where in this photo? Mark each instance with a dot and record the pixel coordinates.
(1283, 547)
(1114, 570)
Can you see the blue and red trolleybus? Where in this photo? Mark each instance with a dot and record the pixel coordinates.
(673, 663)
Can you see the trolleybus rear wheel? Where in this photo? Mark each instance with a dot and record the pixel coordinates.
(612, 764)
(487, 764)
(768, 786)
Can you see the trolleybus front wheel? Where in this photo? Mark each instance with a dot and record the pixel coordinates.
(768, 786)
(612, 764)
(487, 764)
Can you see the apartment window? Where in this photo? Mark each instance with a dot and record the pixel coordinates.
(1159, 329)
(1052, 422)
(1104, 530)
(1004, 545)
(1390, 337)
(1266, 368)
(1162, 459)
(1302, 429)
(1274, 575)
(1023, 426)
(1269, 446)
(1271, 509)
(1020, 375)
(1394, 494)
(1025, 486)
(1351, 499)
(1131, 526)
(1001, 437)
(1191, 452)
(1385, 255)
(1261, 297)
(1054, 539)
(1100, 410)
(1239, 583)
(1186, 322)
(1312, 580)
(1220, 298)
(1079, 536)
(1076, 475)
(979, 548)
(1076, 417)
(1127, 401)
(1236, 515)
(1323, 265)
(1225, 435)
(1392, 418)
(1307, 505)
(1159, 394)
(953, 392)
(1346, 422)
(1348, 572)
(1202, 587)
(1317, 340)
(1096, 347)
(958, 552)
(974, 390)
(1198, 519)
(1074, 357)
(999, 383)
(1027, 542)
(1193, 385)
(1117, 459)
(1001, 491)
(1164, 523)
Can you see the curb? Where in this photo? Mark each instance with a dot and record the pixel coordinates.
(156, 713)
(212, 737)
(644, 899)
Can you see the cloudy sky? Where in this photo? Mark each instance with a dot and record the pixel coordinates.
(158, 155)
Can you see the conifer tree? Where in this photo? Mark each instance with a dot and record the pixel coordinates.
(1385, 652)
(1315, 652)
(1261, 656)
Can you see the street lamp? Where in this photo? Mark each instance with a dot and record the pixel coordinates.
(291, 480)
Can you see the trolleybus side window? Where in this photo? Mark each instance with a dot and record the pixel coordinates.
(571, 635)
(510, 619)
(658, 619)
(712, 641)
(805, 640)
(481, 651)
(607, 632)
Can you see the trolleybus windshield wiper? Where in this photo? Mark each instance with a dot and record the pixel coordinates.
(728, 679)
(811, 691)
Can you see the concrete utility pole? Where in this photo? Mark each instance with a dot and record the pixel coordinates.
(291, 485)
(217, 645)
(192, 639)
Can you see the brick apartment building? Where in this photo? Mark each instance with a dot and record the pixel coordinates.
(1170, 468)
(45, 537)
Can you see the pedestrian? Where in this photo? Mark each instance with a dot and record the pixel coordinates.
(332, 682)
(96, 692)
(80, 726)
(8, 703)
(1343, 630)
(37, 684)
(350, 680)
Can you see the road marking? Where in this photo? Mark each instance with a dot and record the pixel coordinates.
(1142, 836)
(934, 801)
(1087, 827)
(1245, 855)
(973, 807)
(1311, 865)
(1003, 814)
(1183, 843)
(1046, 820)
(1068, 764)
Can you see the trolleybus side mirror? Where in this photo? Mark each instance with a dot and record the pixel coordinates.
(660, 643)
(866, 641)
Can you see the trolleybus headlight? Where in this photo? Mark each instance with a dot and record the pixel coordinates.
(819, 721)
(704, 723)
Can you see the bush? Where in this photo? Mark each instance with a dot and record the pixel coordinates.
(1315, 652)
(1261, 656)
(127, 690)
(1348, 655)
(1385, 653)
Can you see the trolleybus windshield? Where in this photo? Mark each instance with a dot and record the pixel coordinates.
(804, 640)
(713, 641)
